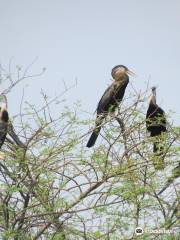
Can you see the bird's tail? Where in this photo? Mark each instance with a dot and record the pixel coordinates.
(96, 131)
(14, 136)
(158, 159)
(93, 137)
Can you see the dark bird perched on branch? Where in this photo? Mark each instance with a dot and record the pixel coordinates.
(156, 125)
(110, 99)
(4, 118)
(5, 125)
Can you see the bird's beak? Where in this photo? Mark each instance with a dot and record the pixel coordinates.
(131, 73)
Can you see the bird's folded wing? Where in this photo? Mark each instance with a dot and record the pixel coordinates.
(106, 98)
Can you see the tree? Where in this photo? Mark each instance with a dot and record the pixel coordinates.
(55, 188)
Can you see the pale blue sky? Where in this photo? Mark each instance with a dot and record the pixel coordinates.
(84, 39)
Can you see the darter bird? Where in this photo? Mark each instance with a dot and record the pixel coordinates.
(110, 99)
(4, 118)
(5, 125)
(156, 125)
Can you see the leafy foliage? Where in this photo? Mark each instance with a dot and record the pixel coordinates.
(58, 189)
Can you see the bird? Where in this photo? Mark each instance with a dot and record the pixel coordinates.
(156, 125)
(5, 125)
(4, 118)
(110, 99)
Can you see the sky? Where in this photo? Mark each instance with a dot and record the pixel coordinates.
(82, 40)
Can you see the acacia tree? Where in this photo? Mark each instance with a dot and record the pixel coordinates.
(56, 188)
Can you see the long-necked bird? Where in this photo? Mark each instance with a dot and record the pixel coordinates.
(5, 125)
(156, 125)
(4, 118)
(110, 99)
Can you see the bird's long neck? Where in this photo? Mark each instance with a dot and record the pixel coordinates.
(122, 78)
(153, 98)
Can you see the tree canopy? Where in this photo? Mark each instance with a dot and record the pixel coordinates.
(56, 188)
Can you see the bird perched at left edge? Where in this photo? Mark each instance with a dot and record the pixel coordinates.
(4, 124)
(110, 99)
(4, 118)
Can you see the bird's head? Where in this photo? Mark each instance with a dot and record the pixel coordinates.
(153, 89)
(120, 71)
(153, 96)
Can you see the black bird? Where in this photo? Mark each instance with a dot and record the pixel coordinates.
(156, 124)
(110, 99)
(4, 117)
(5, 125)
